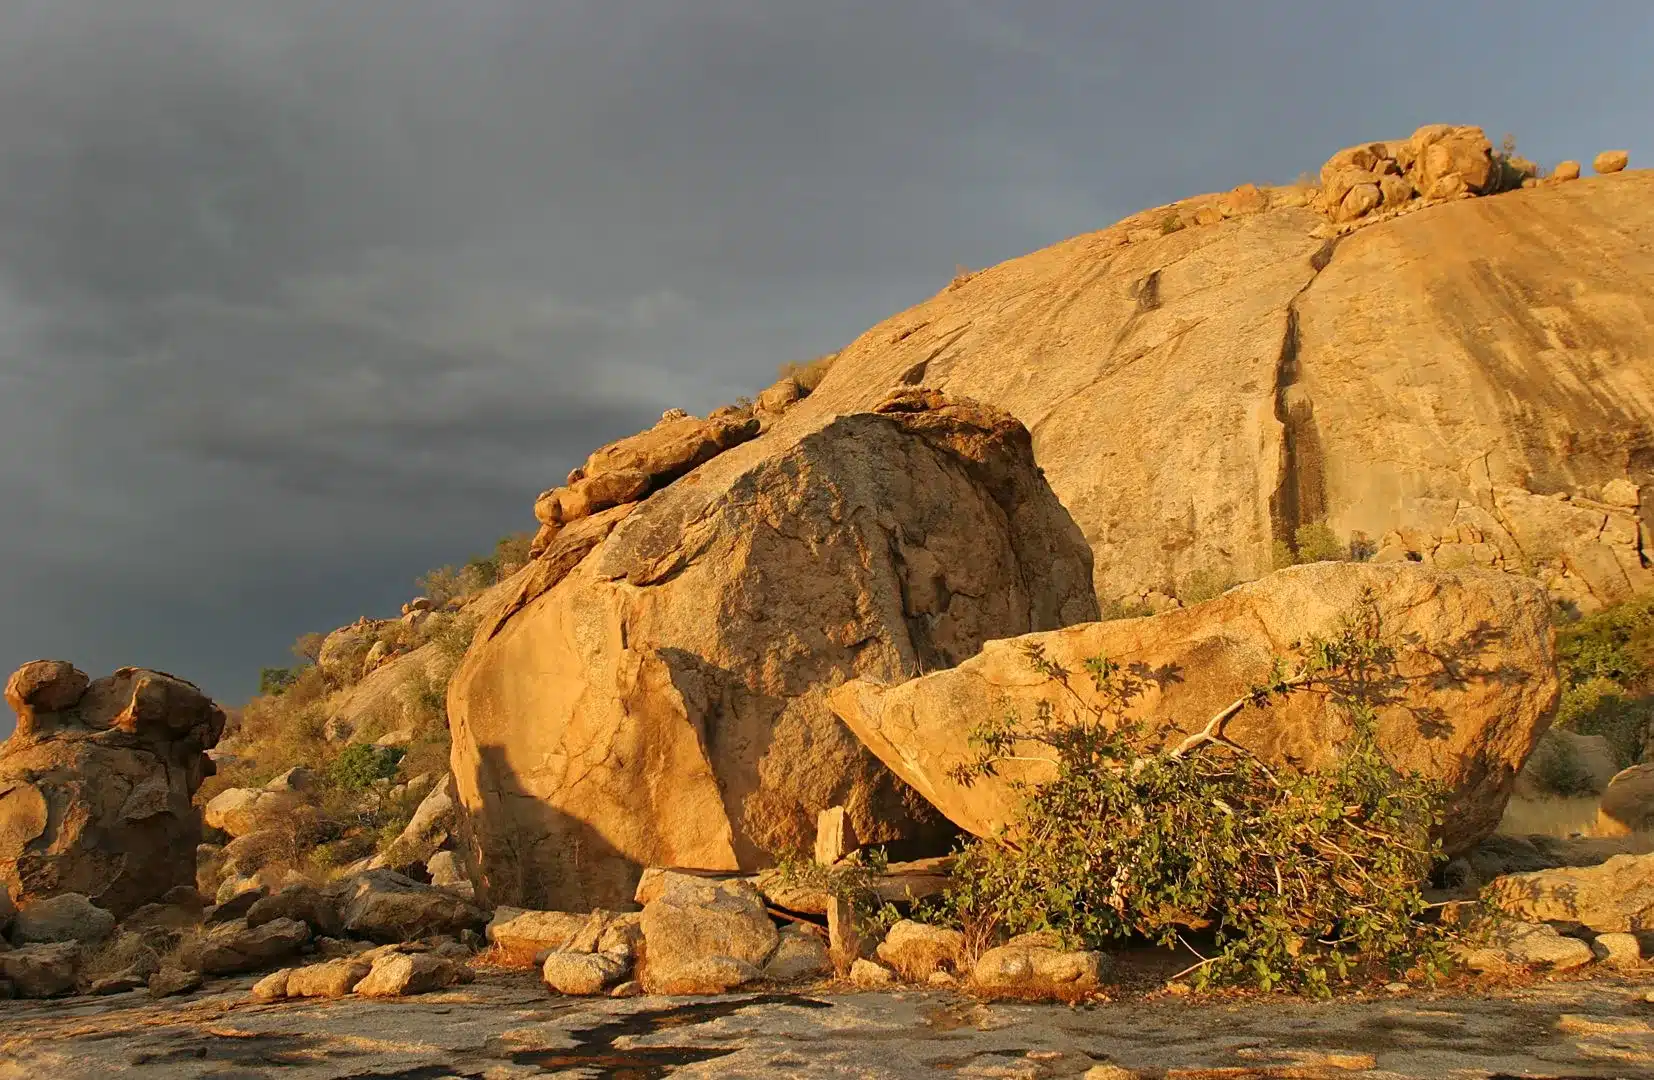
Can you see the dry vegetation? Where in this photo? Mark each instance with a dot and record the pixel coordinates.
(367, 793)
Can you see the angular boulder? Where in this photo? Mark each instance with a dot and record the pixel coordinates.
(233, 947)
(701, 931)
(302, 902)
(526, 933)
(800, 954)
(42, 971)
(65, 917)
(1511, 944)
(96, 783)
(1476, 686)
(400, 974)
(656, 696)
(1616, 896)
(388, 907)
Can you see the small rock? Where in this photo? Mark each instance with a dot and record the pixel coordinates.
(627, 989)
(446, 870)
(170, 981)
(1035, 963)
(273, 987)
(916, 950)
(65, 917)
(1526, 945)
(235, 947)
(801, 954)
(1565, 170)
(866, 973)
(332, 979)
(525, 932)
(1617, 950)
(43, 970)
(584, 974)
(703, 975)
(402, 974)
(942, 979)
(1611, 161)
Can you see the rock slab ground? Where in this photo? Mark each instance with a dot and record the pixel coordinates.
(504, 1027)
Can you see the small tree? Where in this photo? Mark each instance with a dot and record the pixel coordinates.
(359, 765)
(273, 681)
(1305, 879)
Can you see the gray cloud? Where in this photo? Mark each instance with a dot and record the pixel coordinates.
(299, 298)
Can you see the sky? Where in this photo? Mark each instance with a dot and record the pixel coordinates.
(299, 299)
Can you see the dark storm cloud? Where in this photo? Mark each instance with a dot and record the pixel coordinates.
(299, 298)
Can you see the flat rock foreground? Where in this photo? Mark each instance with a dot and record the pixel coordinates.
(503, 1026)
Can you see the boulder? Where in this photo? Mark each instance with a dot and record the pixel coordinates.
(1476, 686)
(691, 921)
(65, 917)
(917, 950)
(1565, 170)
(1617, 950)
(402, 974)
(41, 971)
(871, 976)
(1512, 944)
(801, 953)
(1036, 965)
(1616, 896)
(331, 979)
(273, 987)
(1273, 380)
(585, 973)
(448, 871)
(1627, 802)
(1610, 161)
(96, 783)
(245, 811)
(702, 975)
(344, 651)
(526, 933)
(171, 981)
(663, 702)
(385, 906)
(780, 396)
(234, 947)
(302, 902)
(431, 826)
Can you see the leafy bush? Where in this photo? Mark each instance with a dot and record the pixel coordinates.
(359, 765)
(275, 680)
(1559, 769)
(1305, 879)
(1607, 663)
(1316, 542)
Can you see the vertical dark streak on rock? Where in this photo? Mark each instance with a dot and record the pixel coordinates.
(1300, 496)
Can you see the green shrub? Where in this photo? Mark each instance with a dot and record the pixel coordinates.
(1170, 223)
(275, 680)
(359, 765)
(1316, 542)
(1203, 585)
(1603, 707)
(1306, 879)
(1559, 769)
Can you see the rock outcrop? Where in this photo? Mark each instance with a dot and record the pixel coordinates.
(1470, 384)
(655, 694)
(1476, 686)
(96, 783)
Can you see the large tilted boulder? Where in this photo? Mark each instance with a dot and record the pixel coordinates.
(1478, 685)
(702, 935)
(655, 694)
(385, 906)
(96, 782)
(1467, 385)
